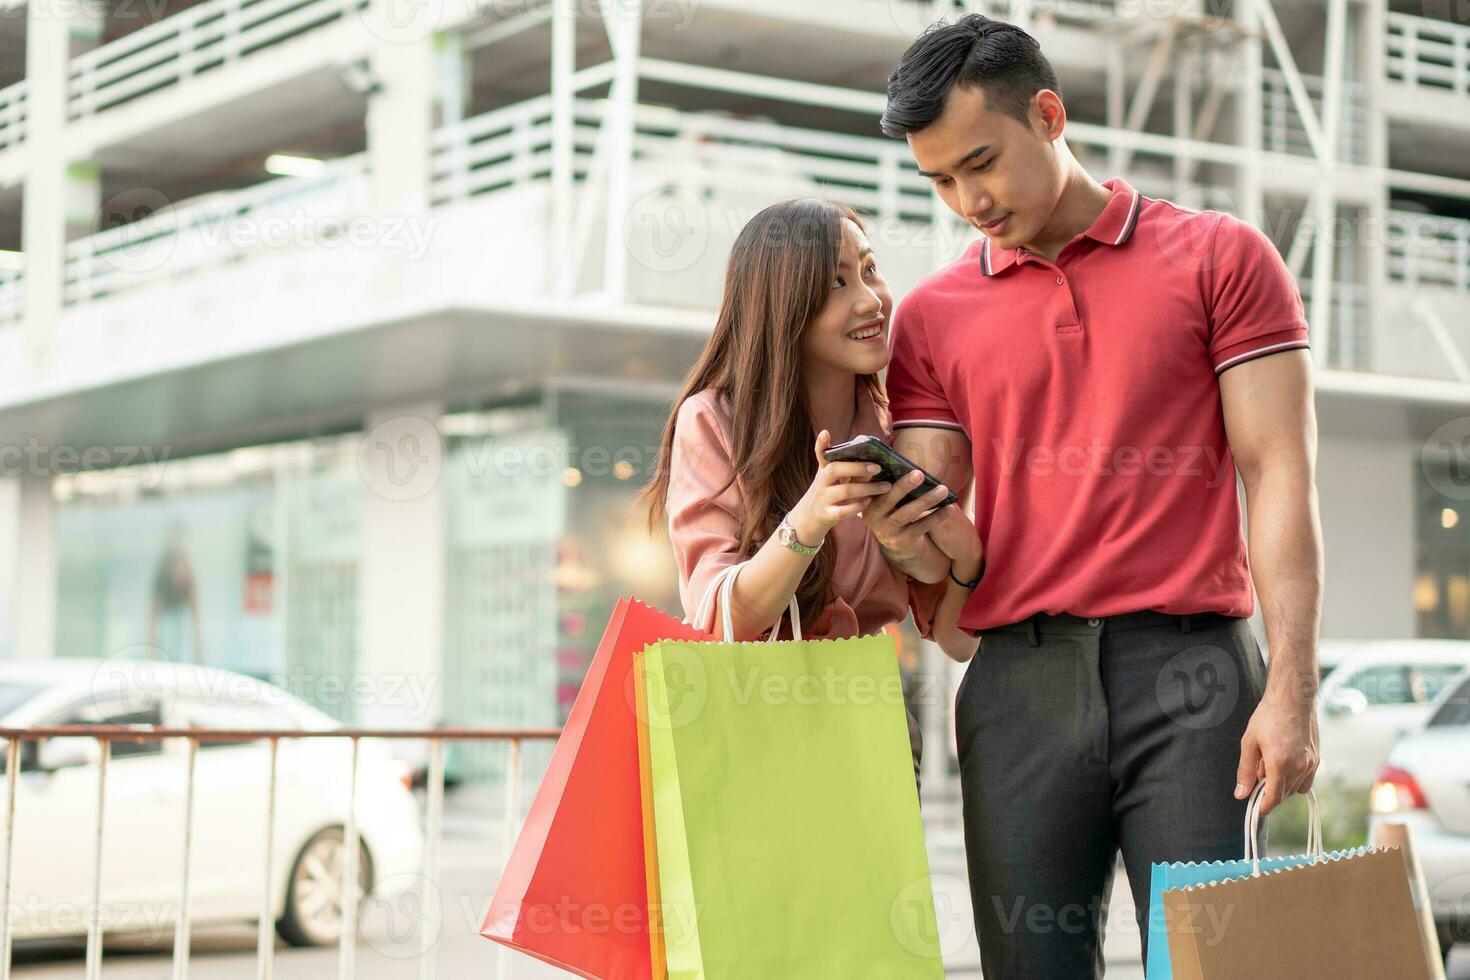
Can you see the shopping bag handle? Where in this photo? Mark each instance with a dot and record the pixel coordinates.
(724, 584)
(1253, 824)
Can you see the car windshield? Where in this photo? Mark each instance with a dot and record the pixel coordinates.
(1454, 710)
(14, 695)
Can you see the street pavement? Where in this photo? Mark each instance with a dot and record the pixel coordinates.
(391, 936)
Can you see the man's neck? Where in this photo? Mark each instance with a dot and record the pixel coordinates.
(1082, 200)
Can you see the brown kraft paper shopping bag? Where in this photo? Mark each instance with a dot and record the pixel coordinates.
(1347, 916)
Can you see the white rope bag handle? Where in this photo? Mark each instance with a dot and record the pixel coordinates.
(723, 584)
(1253, 824)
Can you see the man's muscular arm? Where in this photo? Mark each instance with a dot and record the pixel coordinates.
(1271, 424)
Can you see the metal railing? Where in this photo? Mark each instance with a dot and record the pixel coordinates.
(265, 944)
(1065, 11)
(13, 114)
(205, 231)
(878, 176)
(512, 145)
(1349, 340)
(1429, 53)
(491, 151)
(197, 40)
(1281, 125)
(1429, 250)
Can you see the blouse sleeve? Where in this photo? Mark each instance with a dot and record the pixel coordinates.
(703, 522)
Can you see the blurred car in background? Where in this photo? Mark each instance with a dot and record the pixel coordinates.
(56, 804)
(1374, 693)
(1426, 785)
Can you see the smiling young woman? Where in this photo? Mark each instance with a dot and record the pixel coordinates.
(792, 366)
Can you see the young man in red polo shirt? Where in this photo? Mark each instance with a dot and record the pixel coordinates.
(1101, 365)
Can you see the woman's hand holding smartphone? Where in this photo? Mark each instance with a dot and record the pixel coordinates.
(840, 490)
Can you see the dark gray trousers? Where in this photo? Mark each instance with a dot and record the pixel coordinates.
(1079, 738)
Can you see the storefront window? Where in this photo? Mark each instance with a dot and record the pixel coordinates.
(245, 560)
(1442, 577)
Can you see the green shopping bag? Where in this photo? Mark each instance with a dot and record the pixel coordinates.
(788, 841)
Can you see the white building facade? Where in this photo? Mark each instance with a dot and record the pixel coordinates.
(336, 335)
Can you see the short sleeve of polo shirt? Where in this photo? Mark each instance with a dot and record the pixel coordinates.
(915, 397)
(1255, 306)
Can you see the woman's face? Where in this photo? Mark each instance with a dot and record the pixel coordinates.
(850, 331)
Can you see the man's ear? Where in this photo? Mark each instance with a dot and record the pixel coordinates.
(1050, 114)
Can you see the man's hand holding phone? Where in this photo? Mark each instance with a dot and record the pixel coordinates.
(901, 527)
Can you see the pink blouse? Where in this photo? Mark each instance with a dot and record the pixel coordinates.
(868, 592)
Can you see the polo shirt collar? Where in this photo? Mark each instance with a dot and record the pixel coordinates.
(1113, 226)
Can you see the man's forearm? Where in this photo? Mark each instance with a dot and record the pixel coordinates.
(927, 564)
(1286, 565)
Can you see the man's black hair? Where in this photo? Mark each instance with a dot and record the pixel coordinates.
(998, 58)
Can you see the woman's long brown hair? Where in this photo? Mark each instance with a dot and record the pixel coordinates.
(778, 277)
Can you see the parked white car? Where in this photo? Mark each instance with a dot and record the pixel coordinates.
(1380, 691)
(56, 804)
(1426, 785)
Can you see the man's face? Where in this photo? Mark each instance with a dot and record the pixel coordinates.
(1002, 177)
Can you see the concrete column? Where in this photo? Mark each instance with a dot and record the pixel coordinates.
(32, 569)
(43, 233)
(58, 201)
(400, 115)
(454, 88)
(401, 604)
(1248, 203)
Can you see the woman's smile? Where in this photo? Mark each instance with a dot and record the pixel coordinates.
(872, 332)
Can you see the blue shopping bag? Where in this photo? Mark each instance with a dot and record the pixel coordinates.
(1182, 874)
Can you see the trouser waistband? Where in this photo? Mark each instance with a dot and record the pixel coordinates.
(1065, 623)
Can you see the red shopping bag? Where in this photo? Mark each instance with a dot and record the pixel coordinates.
(575, 890)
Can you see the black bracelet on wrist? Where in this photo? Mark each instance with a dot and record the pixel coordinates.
(967, 585)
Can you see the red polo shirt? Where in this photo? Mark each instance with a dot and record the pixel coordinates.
(1104, 483)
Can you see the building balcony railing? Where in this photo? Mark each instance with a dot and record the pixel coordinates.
(203, 38)
(1428, 53)
(13, 114)
(1429, 250)
(723, 167)
(1281, 125)
(214, 230)
(1349, 334)
(501, 148)
(493, 151)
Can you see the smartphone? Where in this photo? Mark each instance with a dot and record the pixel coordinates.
(895, 465)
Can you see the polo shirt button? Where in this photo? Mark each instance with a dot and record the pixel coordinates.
(1094, 623)
(1059, 280)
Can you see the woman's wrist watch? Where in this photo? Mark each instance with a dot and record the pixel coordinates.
(786, 534)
